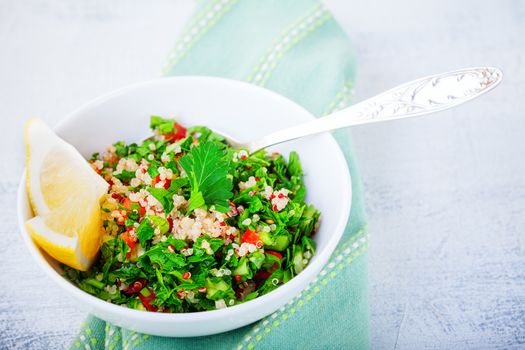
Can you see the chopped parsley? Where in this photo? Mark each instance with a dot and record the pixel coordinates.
(192, 224)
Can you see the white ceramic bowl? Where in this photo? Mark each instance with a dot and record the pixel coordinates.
(238, 109)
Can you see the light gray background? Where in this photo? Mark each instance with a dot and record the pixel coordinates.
(445, 195)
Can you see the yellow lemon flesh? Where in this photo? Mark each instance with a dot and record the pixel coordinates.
(65, 194)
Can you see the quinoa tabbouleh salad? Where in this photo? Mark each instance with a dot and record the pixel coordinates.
(191, 224)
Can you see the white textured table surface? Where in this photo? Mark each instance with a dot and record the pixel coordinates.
(445, 194)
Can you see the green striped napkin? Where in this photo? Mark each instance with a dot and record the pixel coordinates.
(296, 49)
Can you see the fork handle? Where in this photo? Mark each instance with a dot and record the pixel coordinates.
(418, 97)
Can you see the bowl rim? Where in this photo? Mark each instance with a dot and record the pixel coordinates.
(308, 274)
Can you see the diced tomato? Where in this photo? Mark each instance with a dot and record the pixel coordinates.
(250, 237)
(126, 203)
(274, 253)
(146, 301)
(116, 196)
(238, 278)
(130, 241)
(180, 133)
(157, 179)
(170, 222)
(147, 305)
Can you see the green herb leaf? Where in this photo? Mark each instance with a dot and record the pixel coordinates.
(294, 165)
(165, 260)
(144, 232)
(178, 244)
(121, 149)
(204, 134)
(279, 165)
(153, 171)
(125, 176)
(129, 272)
(129, 222)
(165, 126)
(207, 170)
(185, 144)
(196, 201)
(215, 243)
(309, 219)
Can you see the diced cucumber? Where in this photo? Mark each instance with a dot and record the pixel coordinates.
(298, 261)
(266, 237)
(136, 304)
(214, 287)
(242, 269)
(145, 292)
(287, 276)
(281, 243)
(97, 284)
(257, 258)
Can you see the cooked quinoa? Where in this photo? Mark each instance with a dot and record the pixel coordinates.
(190, 224)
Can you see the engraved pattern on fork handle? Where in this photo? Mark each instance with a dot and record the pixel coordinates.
(429, 94)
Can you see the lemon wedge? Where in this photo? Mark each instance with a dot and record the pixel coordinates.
(65, 194)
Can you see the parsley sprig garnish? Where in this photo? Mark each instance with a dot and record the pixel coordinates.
(207, 170)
